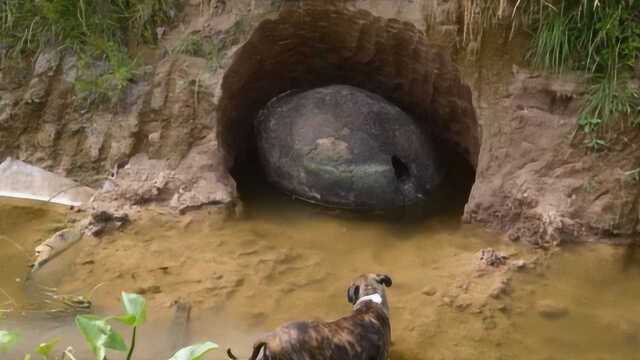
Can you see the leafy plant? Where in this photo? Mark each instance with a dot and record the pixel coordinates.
(588, 123)
(595, 144)
(146, 16)
(194, 352)
(190, 44)
(101, 337)
(600, 38)
(8, 340)
(103, 78)
(45, 349)
(195, 45)
(100, 32)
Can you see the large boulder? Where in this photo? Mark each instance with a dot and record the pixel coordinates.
(342, 146)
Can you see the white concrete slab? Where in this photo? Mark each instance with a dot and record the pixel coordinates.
(24, 181)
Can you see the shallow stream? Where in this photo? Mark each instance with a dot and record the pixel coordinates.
(284, 260)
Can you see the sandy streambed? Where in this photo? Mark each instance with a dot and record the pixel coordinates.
(284, 260)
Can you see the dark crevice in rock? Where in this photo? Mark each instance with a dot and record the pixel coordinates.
(400, 169)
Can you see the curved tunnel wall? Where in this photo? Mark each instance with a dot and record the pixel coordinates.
(318, 45)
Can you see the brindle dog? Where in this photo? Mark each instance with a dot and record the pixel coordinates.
(363, 335)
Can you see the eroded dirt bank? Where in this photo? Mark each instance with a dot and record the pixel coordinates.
(181, 125)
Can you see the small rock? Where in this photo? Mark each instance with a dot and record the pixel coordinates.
(519, 264)
(501, 288)
(463, 305)
(491, 257)
(551, 310)
(513, 237)
(154, 138)
(464, 286)
(504, 308)
(103, 220)
(429, 291)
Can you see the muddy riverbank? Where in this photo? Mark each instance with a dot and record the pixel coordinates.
(183, 124)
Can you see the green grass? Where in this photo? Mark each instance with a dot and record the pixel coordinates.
(98, 31)
(213, 48)
(602, 39)
(103, 75)
(195, 45)
(102, 338)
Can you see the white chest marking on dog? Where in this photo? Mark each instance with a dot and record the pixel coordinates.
(376, 298)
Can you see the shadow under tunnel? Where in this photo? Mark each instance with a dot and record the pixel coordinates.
(314, 46)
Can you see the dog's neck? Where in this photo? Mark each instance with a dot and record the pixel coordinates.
(378, 299)
(375, 298)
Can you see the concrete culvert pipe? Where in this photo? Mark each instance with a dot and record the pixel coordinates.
(317, 46)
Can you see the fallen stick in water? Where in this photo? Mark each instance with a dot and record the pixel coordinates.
(95, 225)
(58, 243)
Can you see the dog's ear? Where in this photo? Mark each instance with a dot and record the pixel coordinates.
(352, 293)
(384, 280)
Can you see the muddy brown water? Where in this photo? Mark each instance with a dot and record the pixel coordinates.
(285, 260)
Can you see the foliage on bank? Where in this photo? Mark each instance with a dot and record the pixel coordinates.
(102, 338)
(602, 39)
(596, 37)
(102, 34)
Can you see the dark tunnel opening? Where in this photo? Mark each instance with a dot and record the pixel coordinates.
(400, 169)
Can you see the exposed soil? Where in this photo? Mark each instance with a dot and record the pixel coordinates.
(181, 126)
(536, 180)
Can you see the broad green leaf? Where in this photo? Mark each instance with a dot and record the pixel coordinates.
(194, 352)
(27, 357)
(45, 349)
(136, 309)
(7, 340)
(99, 335)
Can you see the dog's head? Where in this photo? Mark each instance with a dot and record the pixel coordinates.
(368, 285)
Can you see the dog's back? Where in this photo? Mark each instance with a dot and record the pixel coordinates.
(365, 334)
